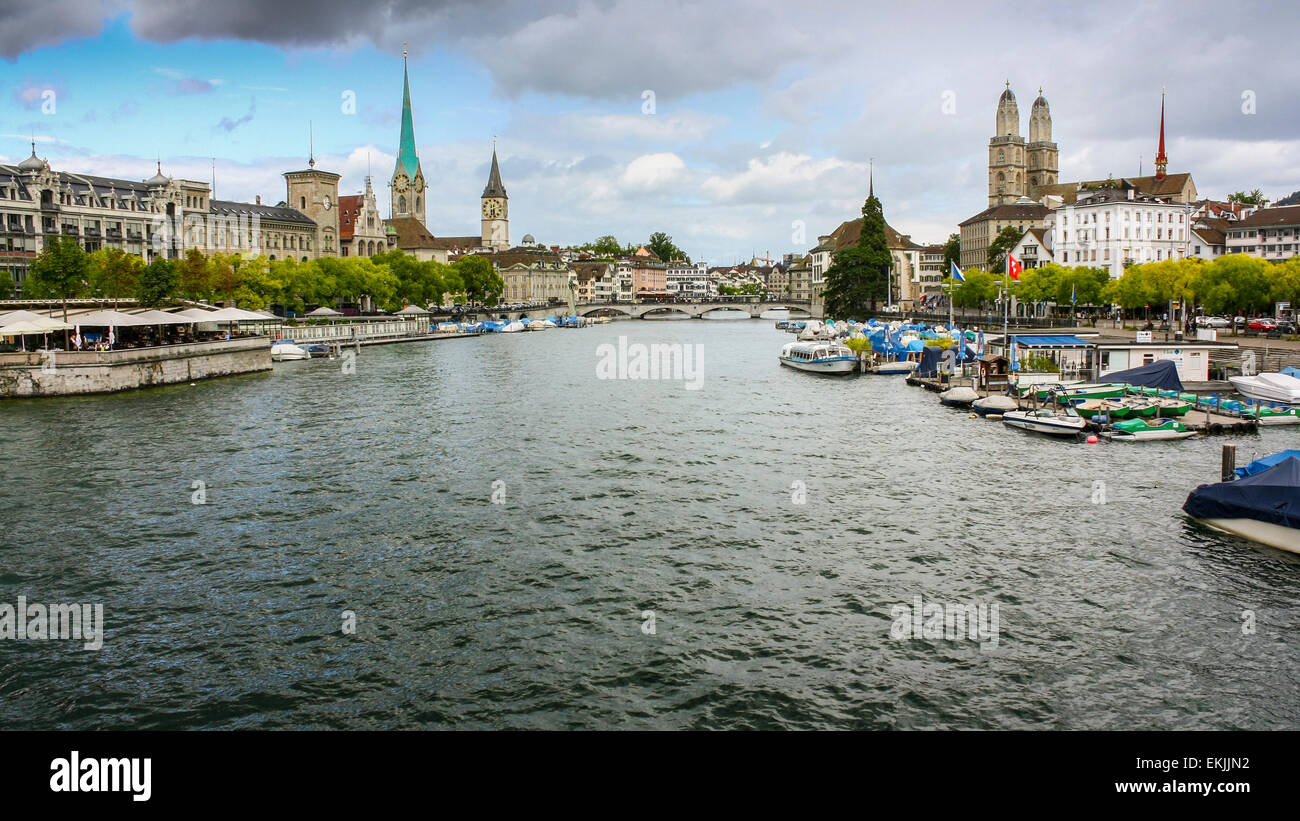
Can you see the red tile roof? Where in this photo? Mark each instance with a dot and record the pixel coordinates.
(349, 208)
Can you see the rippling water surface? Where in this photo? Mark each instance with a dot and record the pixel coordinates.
(374, 493)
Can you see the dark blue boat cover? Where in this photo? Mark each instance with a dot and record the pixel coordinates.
(930, 359)
(1272, 495)
(1162, 373)
(1265, 463)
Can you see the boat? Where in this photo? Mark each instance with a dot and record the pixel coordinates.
(1273, 387)
(1263, 507)
(285, 350)
(959, 397)
(513, 327)
(1110, 408)
(1044, 420)
(819, 357)
(1142, 430)
(318, 350)
(1043, 389)
(1272, 416)
(996, 404)
(1096, 390)
(1173, 407)
(901, 366)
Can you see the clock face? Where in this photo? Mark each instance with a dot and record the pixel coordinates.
(492, 209)
(327, 202)
(400, 183)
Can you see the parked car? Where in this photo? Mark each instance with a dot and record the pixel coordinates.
(1286, 326)
(1261, 323)
(1215, 322)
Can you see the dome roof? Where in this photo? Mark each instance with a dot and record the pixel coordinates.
(160, 178)
(1008, 96)
(528, 240)
(32, 163)
(1041, 102)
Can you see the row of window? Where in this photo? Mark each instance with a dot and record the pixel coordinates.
(1125, 214)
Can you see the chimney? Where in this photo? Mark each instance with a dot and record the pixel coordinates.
(1130, 193)
(259, 199)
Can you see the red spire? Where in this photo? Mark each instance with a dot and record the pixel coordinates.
(1161, 160)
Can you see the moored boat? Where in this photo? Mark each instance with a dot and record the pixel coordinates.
(1272, 387)
(285, 350)
(1097, 390)
(1272, 416)
(996, 404)
(1044, 420)
(819, 357)
(1263, 507)
(1141, 430)
(959, 397)
(1111, 409)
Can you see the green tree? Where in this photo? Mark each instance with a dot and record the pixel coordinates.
(1001, 245)
(482, 282)
(1255, 197)
(951, 253)
(606, 246)
(662, 246)
(114, 273)
(60, 271)
(195, 274)
(6, 285)
(158, 283)
(979, 289)
(859, 276)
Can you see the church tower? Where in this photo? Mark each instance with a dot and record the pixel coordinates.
(1007, 180)
(1043, 165)
(315, 193)
(496, 213)
(408, 189)
(1162, 162)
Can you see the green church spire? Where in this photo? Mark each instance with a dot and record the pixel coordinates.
(407, 161)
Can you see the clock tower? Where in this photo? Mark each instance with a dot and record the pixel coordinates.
(408, 186)
(496, 213)
(315, 193)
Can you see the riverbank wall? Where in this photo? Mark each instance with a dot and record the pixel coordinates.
(69, 373)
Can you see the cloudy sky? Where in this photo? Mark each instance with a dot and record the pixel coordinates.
(728, 125)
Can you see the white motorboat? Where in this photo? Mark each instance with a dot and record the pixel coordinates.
(1272, 387)
(901, 366)
(1056, 423)
(285, 350)
(513, 327)
(819, 357)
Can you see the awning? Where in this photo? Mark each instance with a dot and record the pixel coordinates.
(1052, 342)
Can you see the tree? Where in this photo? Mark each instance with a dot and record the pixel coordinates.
(951, 253)
(1001, 245)
(606, 246)
(114, 273)
(60, 271)
(662, 246)
(1255, 197)
(195, 275)
(159, 282)
(6, 285)
(482, 282)
(859, 276)
(979, 289)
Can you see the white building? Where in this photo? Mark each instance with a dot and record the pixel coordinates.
(690, 280)
(1115, 226)
(1268, 233)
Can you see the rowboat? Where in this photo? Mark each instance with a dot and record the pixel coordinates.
(819, 357)
(1055, 423)
(1142, 430)
(1097, 390)
(1113, 409)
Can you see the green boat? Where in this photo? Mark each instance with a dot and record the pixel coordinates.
(1090, 408)
(1136, 425)
(1042, 390)
(1273, 416)
(1138, 430)
(1101, 390)
(1142, 408)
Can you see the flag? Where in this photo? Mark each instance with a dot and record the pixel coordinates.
(1014, 267)
(1072, 299)
(76, 336)
(979, 344)
(111, 337)
(1011, 353)
(957, 275)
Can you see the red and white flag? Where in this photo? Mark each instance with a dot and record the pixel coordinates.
(1014, 267)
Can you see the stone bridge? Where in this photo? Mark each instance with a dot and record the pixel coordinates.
(694, 310)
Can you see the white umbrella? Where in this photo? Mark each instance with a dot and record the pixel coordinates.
(160, 318)
(109, 319)
(199, 315)
(234, 315)
(323, 311)
(411, 310)
(24, 316)
(29, 327)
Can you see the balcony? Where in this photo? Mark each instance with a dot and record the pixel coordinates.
(49, 207)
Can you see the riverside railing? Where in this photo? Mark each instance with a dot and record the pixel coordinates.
(347, 332)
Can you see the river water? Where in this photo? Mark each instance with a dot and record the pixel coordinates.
(526, 545)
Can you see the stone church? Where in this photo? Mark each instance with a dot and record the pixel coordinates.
(1018, 168)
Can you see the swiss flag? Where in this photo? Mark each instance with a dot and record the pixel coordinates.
(1014, 267)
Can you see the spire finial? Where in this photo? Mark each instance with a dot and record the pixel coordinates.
(1040, 91)
(403, 51)
(871, 177)
(311, 146)
(1008, 85)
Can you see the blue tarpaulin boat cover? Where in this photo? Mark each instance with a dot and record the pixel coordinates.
(1272, 495)
(1260, 465)
(1162, 373)
(1289, 371)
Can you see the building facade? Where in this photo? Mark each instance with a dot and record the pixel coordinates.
(361, 226)
(1268, 233)
(1115, 227)
(1018, 168)
(979, 231)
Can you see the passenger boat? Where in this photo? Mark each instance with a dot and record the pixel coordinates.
(819, 357)
(1055, 423)
(284, 350)
(1141, 430)
(1263, 507)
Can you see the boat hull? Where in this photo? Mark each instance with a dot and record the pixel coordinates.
(1049, 426)
(1273, 535)
(837, 365)
(288, 353)
(894, 368)
(1151, 435)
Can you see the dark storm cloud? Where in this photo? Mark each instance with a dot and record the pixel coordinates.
(26, 26)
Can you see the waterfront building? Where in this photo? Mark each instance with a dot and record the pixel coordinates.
(689, 280)
(1268, 233)
(361, 226)
(1209, 237)
(595, 280)
(930, 272)
(531, 273)
(1035, 248)
(979, 231)
(1117, 226)
(315, 193)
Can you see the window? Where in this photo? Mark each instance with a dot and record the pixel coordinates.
(302, 201)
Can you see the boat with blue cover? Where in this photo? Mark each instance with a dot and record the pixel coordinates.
(1263, 507)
